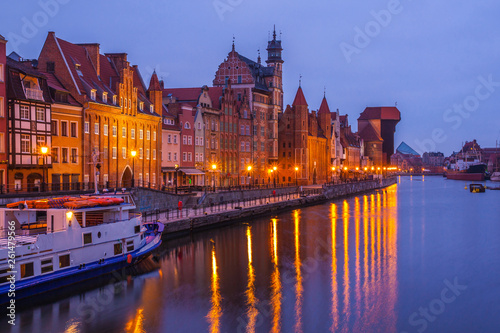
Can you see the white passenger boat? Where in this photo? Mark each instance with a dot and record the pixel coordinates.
(47, 244)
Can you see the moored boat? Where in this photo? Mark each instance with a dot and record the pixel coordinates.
(47, 244)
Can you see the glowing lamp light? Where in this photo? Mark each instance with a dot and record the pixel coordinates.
(366, 168)
(44, 150)
(345, 168)
(296, 168)
(357, 169)
(249, 168)
(373, 168)
(275, 168)
(69, 215)
(214, 166)
(133, 153)
(378, 168)
(333, 168)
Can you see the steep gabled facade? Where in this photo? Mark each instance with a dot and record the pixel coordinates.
(29, 123)
(118, 117)
(262, 86)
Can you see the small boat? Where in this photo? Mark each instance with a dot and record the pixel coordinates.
(495, 176)
(50, 243)
(477, 188)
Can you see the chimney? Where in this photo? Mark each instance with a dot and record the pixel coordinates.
(93, 53)
(161, 84)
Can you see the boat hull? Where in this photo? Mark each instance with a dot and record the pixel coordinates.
(73, 275)
(465, 176)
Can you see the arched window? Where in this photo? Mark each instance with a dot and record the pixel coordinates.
(186, 125)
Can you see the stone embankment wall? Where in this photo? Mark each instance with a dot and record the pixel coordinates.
(187, 225)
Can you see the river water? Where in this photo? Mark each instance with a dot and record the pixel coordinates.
(419, 256)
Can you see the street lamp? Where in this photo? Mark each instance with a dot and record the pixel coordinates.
(249, 169)
(133, 153)
(44, 150)
(333, 175)
(296, 171)
(275, 175)
(176, 178)
(214, 167)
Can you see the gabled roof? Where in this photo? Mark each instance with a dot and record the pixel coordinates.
(154, 84)
(191, 95)
(384, 113)
(54, 84)
(403, 148)
(17, 70)
(368, 134)
(299, 98)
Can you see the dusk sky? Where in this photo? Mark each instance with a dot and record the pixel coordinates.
(437, 59)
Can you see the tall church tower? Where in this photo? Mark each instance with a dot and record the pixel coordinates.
(275, 86)
(155, 93)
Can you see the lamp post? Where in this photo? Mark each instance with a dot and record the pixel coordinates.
(275, 169)
(249, 169)
(44, 150)
(176, 170)
(270, 171)
(333, 174)
(133, 153)
(296, 171)
(214, 167)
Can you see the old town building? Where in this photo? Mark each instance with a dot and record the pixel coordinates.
(351, 146)
(3, 115)
(304, 148)
(29, 122)
(118, 117)
(376, 126)
(262, 85)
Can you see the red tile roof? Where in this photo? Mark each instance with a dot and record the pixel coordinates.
(384, 113)
(324, 107)
(369, 134)
(154, 84)
(299, 98)
(191, 95)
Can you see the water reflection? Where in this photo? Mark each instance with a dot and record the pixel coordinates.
(335, 310)
(135, 325)
(298, 285)
(275, 280)
(252, 311)
(216, 310)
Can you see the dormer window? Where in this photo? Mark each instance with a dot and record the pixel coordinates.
(151, 108)
(186, 126)
(104, 97)
(141, 106)
(165, 121)
(114, 99)
(78, 71)
(92, 94)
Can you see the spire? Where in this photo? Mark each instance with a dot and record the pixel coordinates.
(154, 84)
(233, 43)
(274, 33)
(258, 57)
(299, 98)
(324, 92)
(324, 107)
(274, 50)
(300, 80)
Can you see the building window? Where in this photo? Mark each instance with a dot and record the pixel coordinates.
(64, 153)
(141, 106)
(197, 141)
(2, 79)
(114, 99)
(55, 154)
(248, 146)
(175, 157)
(147, 154)
(190, 140)
(130, 104)
(105, 97)
(114, 153)
(239, 78)
(105, 153)
(115, 131)
(169, 138)
(154, 135)
(2, 143)
(64, 128)
(125, 106)
(141, 134)
(73, 129)
(53, 127)
(201, 157)
(25, 143)
(242, 146)
(154, 154)
(190, 157)
(124, 132)
(184, 139)
(184, 157)
(124, 152)
(86, 127)
(196, 157)
(92, 94)
(175, 139)
(187, 126)
(132, 133)
(40, 114)
(169, 156)
(105, 130)
(201, 141)
(148, 135)
(96, 128)
(74, 155)
(25, 112)
(140, 153)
